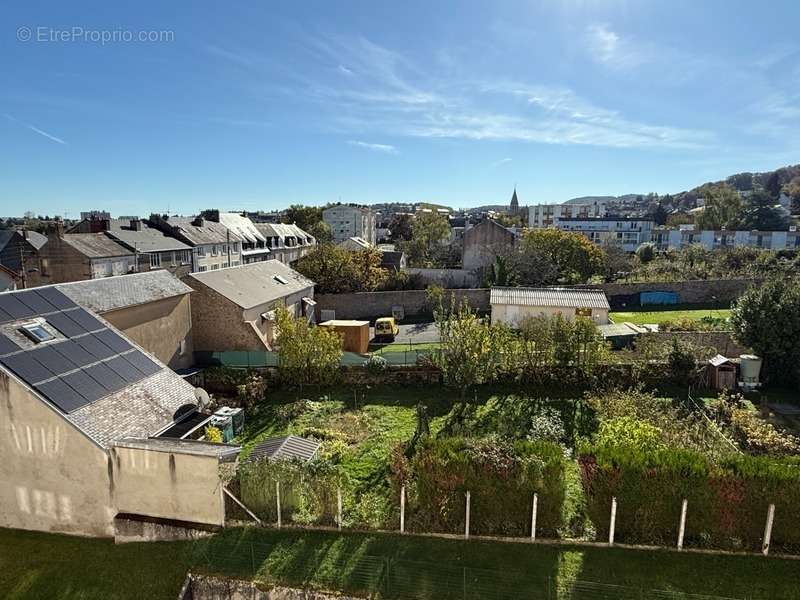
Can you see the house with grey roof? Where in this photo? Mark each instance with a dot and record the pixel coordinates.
(84, 409)
(163, 251)
(81, 256)
(244, 299)
(152, 308)
(214, 245)
(513, 305)
(286, 242)
(20, 253)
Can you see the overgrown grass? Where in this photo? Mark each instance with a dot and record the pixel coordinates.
(660, 316)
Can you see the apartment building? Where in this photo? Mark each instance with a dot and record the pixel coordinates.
(675, 239)
(348, 221)
(214, 246)
(286, 242)
(547, 215)
(628, 232)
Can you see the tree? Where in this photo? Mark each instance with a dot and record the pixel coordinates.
(793, 191)
(723, 208)
(617, 260)
(773, 185)
(336, 270)
(427, 233)
(767, 319)
(677, 219)
(659, 214)
(309, 219)
(646, 252)
(575, 258)
(307, 355)
(761, 213)
(400, 226)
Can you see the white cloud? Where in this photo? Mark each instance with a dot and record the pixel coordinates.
(607, 47)
(384, 148)
(344, 70)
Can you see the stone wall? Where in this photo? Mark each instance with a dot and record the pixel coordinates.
(721, 340)
(371, 305)
(449, 278)
(706, 291)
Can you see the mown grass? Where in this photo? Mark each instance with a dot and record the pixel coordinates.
(659, 316)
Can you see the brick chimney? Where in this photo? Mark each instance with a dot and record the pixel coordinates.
(136, 224)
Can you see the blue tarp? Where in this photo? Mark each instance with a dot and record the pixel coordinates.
(646, 298)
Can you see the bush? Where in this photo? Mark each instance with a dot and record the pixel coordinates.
(501, 477)
(376, 364)
(212, 434)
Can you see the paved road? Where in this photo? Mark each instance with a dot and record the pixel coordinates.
(416, 333)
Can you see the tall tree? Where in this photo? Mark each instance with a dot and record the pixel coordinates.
(337, 270)
(400, 226)
(428, 232)
(309, 219)
(761, 213)
(307, 355)
(575, 258)
(723, 208)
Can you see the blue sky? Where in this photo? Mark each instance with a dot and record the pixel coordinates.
(256, 105)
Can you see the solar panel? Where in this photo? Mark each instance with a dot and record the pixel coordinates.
(7, 345)
(84, 319)
(106, 377)
(35, 302)
(56, 298)
(74, 353)
(85, 385)
(124, 369)
(16, 309)
(113, 341)
(60, 394)
(65, 325)
(52, 360)
(95, 347)
(141, 362)
(26, 367)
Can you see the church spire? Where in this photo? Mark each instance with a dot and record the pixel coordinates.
(514, 202)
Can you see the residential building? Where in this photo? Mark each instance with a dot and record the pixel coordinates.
(354, 244)
(513, 305)
(244, 299)
(393, 260)
(84, 411)
(152, 308)
(547, 215)
(484, 242)
(20, 254)
(348, 221)
(627, 232)
(286, 242)
(81, 256)
(254, 244)
(214, 246)
(9, 280)
(674, 239)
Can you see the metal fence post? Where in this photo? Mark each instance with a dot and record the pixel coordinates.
(278, 500)
(768, 529)
(534, 510)
(682, 527)
(466, 521)
(402, 509)
(339, 507)
(613, 521)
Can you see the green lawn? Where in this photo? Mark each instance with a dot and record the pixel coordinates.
(38, 565)
(659, 316)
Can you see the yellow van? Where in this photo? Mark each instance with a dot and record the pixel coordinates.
(386, 329)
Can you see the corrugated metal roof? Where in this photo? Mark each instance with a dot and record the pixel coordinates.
(285, 448)
(557, 297)
(112, 293)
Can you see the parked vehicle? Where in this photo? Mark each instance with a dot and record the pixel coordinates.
(386, 329)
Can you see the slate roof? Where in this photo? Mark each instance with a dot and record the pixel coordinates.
(95, 245)
(148, 239)
(290, 447)
(282, 230)
(210, 232)
(557, 297)
(254, 284)
(35, 239)
(241, 226)
(112, 293)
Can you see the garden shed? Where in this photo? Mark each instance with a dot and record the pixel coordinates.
(721, 373)
(354, 334)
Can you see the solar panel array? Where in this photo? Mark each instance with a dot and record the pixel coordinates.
(91, 361)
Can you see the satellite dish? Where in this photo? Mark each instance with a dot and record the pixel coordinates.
(202, 398)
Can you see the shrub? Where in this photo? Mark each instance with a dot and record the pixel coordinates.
(629, 433)
(376, 364)
(212, 434)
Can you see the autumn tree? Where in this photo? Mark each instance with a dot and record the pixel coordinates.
(428, 231)
(309, 219)
(337, 270)
(307, 355)
(573, 257)
(400, 226)
(723, 208)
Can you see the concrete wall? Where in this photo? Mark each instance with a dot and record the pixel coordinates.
(483, 243)
(53, 477)
(371, 305)
(513, 315)
(707, 291)
(62, 263)
(449, 278)
(159, 327)
(168, 485)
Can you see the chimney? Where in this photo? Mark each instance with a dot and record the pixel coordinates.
(136, 224)
(198, 221)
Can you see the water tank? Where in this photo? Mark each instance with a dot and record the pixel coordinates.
(750, 367)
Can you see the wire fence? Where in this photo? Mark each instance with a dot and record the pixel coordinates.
(382, 577)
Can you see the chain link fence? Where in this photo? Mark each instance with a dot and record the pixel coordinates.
(389, 578)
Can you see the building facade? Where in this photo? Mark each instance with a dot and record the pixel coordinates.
(253, 244)
(513, 305)
(484, 242)
(348, 221)
(82, 256)
(627, 232)
(214, 246)
(286, 242)
(547, 215)
(675, 239)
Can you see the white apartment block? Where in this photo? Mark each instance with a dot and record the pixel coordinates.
(629, 233)
(546, 215)
(350, 221)
(675, 239)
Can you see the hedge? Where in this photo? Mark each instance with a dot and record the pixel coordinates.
(501, 478)
(727, 501)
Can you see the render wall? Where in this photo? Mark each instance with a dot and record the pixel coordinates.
(449, 278)
(159, 327)
(53, 477)
(182, 487)
(513, 315)
(371, 305)
(483, 243)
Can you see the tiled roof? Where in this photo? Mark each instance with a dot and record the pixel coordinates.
(112, 293)
(557, 297)
(148, 239)
(285, 448)
(254, 284)
(95, 245)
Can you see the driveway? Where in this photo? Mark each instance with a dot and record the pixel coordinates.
(415, 333)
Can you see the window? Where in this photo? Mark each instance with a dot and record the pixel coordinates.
(203, 269)
(155, 261)
(37, 333)
(583, 312)
(214, 250)
(182, 348)
(280, 280)
(235, 246)
(214, 267)
(235, 263)
(201, 251)
(186, 257)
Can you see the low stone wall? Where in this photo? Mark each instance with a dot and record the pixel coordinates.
(207, 587)
(371, 305)
(449, 278)
(706, 291)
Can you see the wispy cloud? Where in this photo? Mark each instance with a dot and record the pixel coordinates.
(383, 148)
(608, 47)
(500, 162)
(41, 132)
(344, 70)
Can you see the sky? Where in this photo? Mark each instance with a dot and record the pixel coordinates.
(175, 107)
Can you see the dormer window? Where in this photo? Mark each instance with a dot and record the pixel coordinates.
(37, 333)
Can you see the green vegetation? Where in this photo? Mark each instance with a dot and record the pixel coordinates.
(661, 316)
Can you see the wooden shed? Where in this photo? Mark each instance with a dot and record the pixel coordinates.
(721, 373)
(354, 334)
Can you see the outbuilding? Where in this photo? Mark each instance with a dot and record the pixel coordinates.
(513, 305)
